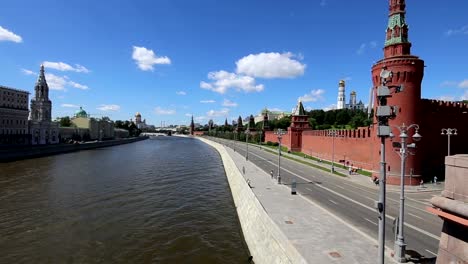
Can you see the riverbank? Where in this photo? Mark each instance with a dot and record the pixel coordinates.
(12, 154)
(282, 228)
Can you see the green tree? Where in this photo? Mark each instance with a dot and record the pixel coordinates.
(65, 121)
(330, 117)
(342, 117)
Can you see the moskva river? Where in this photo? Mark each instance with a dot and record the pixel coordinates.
(165, 200)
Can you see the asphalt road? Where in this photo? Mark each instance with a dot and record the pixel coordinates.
(354, 202)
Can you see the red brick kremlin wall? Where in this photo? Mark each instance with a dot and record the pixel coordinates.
(285, 141)
(360, 146)
(350, 145)
(436, 115)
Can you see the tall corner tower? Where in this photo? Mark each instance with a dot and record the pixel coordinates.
(408, 70)
(340, 104)
(41, 106)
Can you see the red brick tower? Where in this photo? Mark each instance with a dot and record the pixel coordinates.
(408, 70)
(299, 123)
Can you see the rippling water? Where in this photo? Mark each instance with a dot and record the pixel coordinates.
(156, 201)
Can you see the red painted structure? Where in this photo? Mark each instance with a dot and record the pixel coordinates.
(361, 147)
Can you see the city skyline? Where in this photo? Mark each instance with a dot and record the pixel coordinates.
(205, 60)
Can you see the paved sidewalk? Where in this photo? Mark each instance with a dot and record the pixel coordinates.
(318, 235)
(362, 179)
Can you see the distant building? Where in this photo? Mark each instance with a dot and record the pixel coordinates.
(86, 128)
(138, 122)
(353, 104)
(13, 116)
(41, 127)
(271, 115)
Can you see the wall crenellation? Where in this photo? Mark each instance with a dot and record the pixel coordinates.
(359, 133)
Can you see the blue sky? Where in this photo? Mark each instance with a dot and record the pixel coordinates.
(169, 59)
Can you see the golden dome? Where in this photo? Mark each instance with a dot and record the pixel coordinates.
(138, 114)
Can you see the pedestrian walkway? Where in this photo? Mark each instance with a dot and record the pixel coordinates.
(362, 179)
(318, 235)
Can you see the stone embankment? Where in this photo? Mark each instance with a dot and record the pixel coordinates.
(26, 152)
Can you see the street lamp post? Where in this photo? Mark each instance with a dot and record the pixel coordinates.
(247, 132)
(400, 245)
(333, 133)
(449, 132)
(279, 133)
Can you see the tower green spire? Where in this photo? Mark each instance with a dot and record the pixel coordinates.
(396, 41)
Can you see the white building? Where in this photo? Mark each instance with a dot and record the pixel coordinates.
(41, 127)
(353, 104)
(13, 116)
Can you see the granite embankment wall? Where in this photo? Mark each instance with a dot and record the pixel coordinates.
(26, 152)
(266, 242)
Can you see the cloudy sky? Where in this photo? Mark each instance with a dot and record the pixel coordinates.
(169, 59)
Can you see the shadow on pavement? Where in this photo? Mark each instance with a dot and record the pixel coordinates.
(415, 257)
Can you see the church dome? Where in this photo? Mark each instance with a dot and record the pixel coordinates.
(81, 113)
(138, 114)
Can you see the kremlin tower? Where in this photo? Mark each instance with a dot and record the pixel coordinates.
(408, 71)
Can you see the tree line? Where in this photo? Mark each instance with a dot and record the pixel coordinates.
(318, 120)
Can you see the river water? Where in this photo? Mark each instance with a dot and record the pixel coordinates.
(165, 200)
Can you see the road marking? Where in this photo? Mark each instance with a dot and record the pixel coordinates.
(359, 203)
(370, 221)
(431, 252)
(332, 201)
(415, 216)
(340, 187)
(309, 189)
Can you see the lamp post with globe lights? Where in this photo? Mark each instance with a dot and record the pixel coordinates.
(400, 245)
(449, 132)
(279, 133)
(247, 133)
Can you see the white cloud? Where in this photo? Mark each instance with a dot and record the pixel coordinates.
(361, 49)
(223, 81)
(364, 46)
(313, 96)
(181, 93)
(6, 35)
(270, 65)
(78, 86)
(56, 82)
(200, 118)
(222, 112)
(464, 96)
(188, 115)
(446, 98)
(459, 31)
(207, 101)
(463, 84)
(69, 105)
(330, 107)
(111, 107)
(160, 111)
(146, 58)
(275, 109)
(28, 72)
(61, 66)
(229, 103)
(459, 84)
(448, 84)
